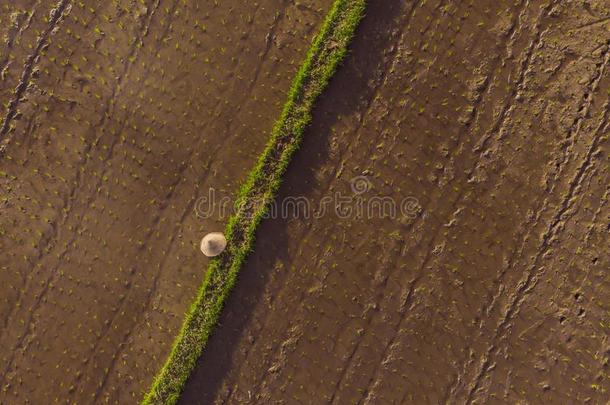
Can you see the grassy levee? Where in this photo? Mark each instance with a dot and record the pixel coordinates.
(325, 54)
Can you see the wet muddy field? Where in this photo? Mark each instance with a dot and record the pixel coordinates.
(491, 120)
(117, 117)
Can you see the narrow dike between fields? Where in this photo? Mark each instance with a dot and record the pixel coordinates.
(326, 53)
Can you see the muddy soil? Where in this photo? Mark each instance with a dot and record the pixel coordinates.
(117, 118)
(490, 119)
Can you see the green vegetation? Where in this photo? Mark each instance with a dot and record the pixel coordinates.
(326, 52)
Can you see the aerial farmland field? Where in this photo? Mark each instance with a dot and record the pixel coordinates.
(130, 111)
(444, 165)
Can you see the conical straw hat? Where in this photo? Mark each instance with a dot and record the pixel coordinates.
(213, 244)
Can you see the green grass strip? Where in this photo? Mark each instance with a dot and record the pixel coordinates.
(324, 56)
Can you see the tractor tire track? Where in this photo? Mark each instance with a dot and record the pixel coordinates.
(533, 273)
(61, 9)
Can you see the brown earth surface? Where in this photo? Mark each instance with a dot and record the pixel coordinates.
(117, 116)
(491, 119)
